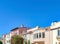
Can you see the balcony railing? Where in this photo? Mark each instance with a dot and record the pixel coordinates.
(58, 38)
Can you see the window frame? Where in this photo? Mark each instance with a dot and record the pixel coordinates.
(35, 36)
(58, 32)
(43, 34)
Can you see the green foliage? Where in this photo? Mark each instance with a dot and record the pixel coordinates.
(17, 39)
(25, 42)
(0, 42)
(28, 41)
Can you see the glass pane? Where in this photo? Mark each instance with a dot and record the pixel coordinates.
(43, 35)
(35, 35)
(58, 32)
(39, 35)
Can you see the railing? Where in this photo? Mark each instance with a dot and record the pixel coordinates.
(58, 38)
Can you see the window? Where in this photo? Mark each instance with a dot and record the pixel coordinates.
(8, 41)
(15, 33)
(56, 42)
(21, 31)
(58, 32)
(43, 35)
(39, 35)
(35, 35)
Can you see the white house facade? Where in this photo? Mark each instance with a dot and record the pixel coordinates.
(55, 33)
(8, 38)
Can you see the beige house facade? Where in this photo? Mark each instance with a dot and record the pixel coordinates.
(49, 35)
(39, 35)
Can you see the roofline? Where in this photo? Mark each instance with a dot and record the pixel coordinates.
(15, 28)
(19, 28)
(55, 28)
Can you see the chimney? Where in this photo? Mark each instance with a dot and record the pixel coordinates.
(37, 26)
(22, 25)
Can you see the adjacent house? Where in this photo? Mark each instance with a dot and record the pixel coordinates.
(38, 35)
(15, 31)
(19, 30)
(6, 38)
(55, 33)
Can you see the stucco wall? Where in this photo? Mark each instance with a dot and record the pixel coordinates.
(55, 34)
(8, 38)
(46, 39)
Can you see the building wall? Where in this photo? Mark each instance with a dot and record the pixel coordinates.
(39, 39)
(47, 37)
(15, 32)
(51, 37)
(46, 40)
(8, 38)
(4, 36)
(54, 32)
(22, 30)
(19, 31)
(30, 35)
(29, 30)
(54, 36)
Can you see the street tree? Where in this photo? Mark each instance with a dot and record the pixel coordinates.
(16, 39)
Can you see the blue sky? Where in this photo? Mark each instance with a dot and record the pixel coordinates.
(31, 13)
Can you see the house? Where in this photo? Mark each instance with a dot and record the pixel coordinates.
(38, 35)
(19, 30)
(55, 33)
(3, 37)
(15, 31)
(6, 38)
